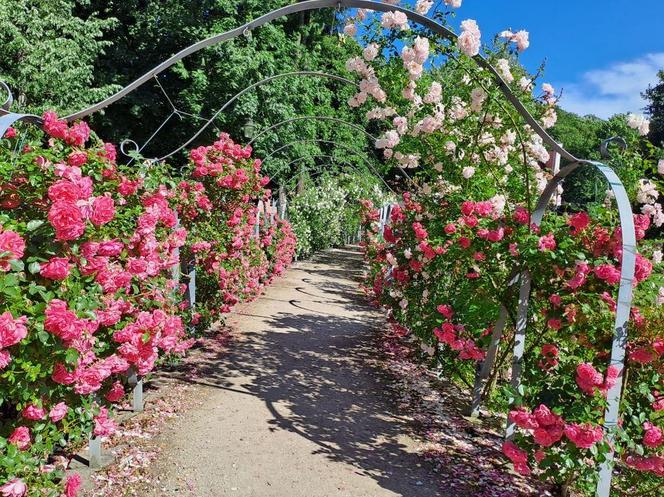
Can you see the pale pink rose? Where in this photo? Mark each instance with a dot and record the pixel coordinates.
(423, 6)
(370, 52)
(469, 40)
(350, 29)
(14, 488)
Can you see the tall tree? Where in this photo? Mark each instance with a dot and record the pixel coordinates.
(655, 110)
(48, 54)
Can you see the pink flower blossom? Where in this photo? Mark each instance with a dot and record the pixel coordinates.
(14, 488)
(103, 210)
(72, 485)
(518, 456)
(67, 220)
(608, 273)
(547, 242)
(12, 331)
(13, 244)
(584, 436)
(58, 412)
(469, 39)
(578, 222)
(20, 437)
(653, 437)
(57, 268)
(104, 426)
(33, 413)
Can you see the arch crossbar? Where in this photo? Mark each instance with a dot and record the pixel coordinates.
(249, 88)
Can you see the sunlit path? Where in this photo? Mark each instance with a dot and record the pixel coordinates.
(297, 407)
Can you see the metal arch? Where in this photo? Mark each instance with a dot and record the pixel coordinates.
(308, 5)
(315, 118)
(623, 307)
(345, 162)
(10, 97)
(249, 88)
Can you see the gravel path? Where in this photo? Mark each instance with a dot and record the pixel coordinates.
(297, 407)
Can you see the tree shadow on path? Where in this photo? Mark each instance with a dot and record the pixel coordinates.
(318, 357)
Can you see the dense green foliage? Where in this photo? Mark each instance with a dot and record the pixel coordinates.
(655, 110)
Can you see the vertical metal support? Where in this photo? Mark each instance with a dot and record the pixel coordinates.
(94, 452)
(136, 383)
(489, 360)
(519, 339)
(191, 286)
(258, 219)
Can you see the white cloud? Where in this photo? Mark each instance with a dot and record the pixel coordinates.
(616, 89)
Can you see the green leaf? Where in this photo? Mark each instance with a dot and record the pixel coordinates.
(34, 224)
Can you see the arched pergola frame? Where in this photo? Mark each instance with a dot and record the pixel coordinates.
(627, 224)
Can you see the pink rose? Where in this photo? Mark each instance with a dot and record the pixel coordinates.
(110, 248)
(608, 273)
(5, 359)
(57, 268)
(20, 437)
(10, 133)
(77, 159)
(653, 437)
(67, 220)
(65, 191)
(469, 40)
(12, 331)
(12, 243)
(523, 419)
(54, 127)
(588, 378)
(518, 456)
(116, 393)
(578, 222)
(642, 355)
(61, 375)
(103, 425)
(103, 210)
(78, 134)
(547, 242)
(58, 412)
(583, 436)
(72, 485)
(33, 413)
(14, 488)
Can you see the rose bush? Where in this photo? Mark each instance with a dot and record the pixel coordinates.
(218, 204)
(88, 253)
(444, 267)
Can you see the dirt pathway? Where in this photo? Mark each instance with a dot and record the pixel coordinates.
(298, 406)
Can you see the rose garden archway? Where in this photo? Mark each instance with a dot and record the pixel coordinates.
(628, 232)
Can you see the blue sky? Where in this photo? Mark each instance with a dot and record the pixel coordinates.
(602, 53)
